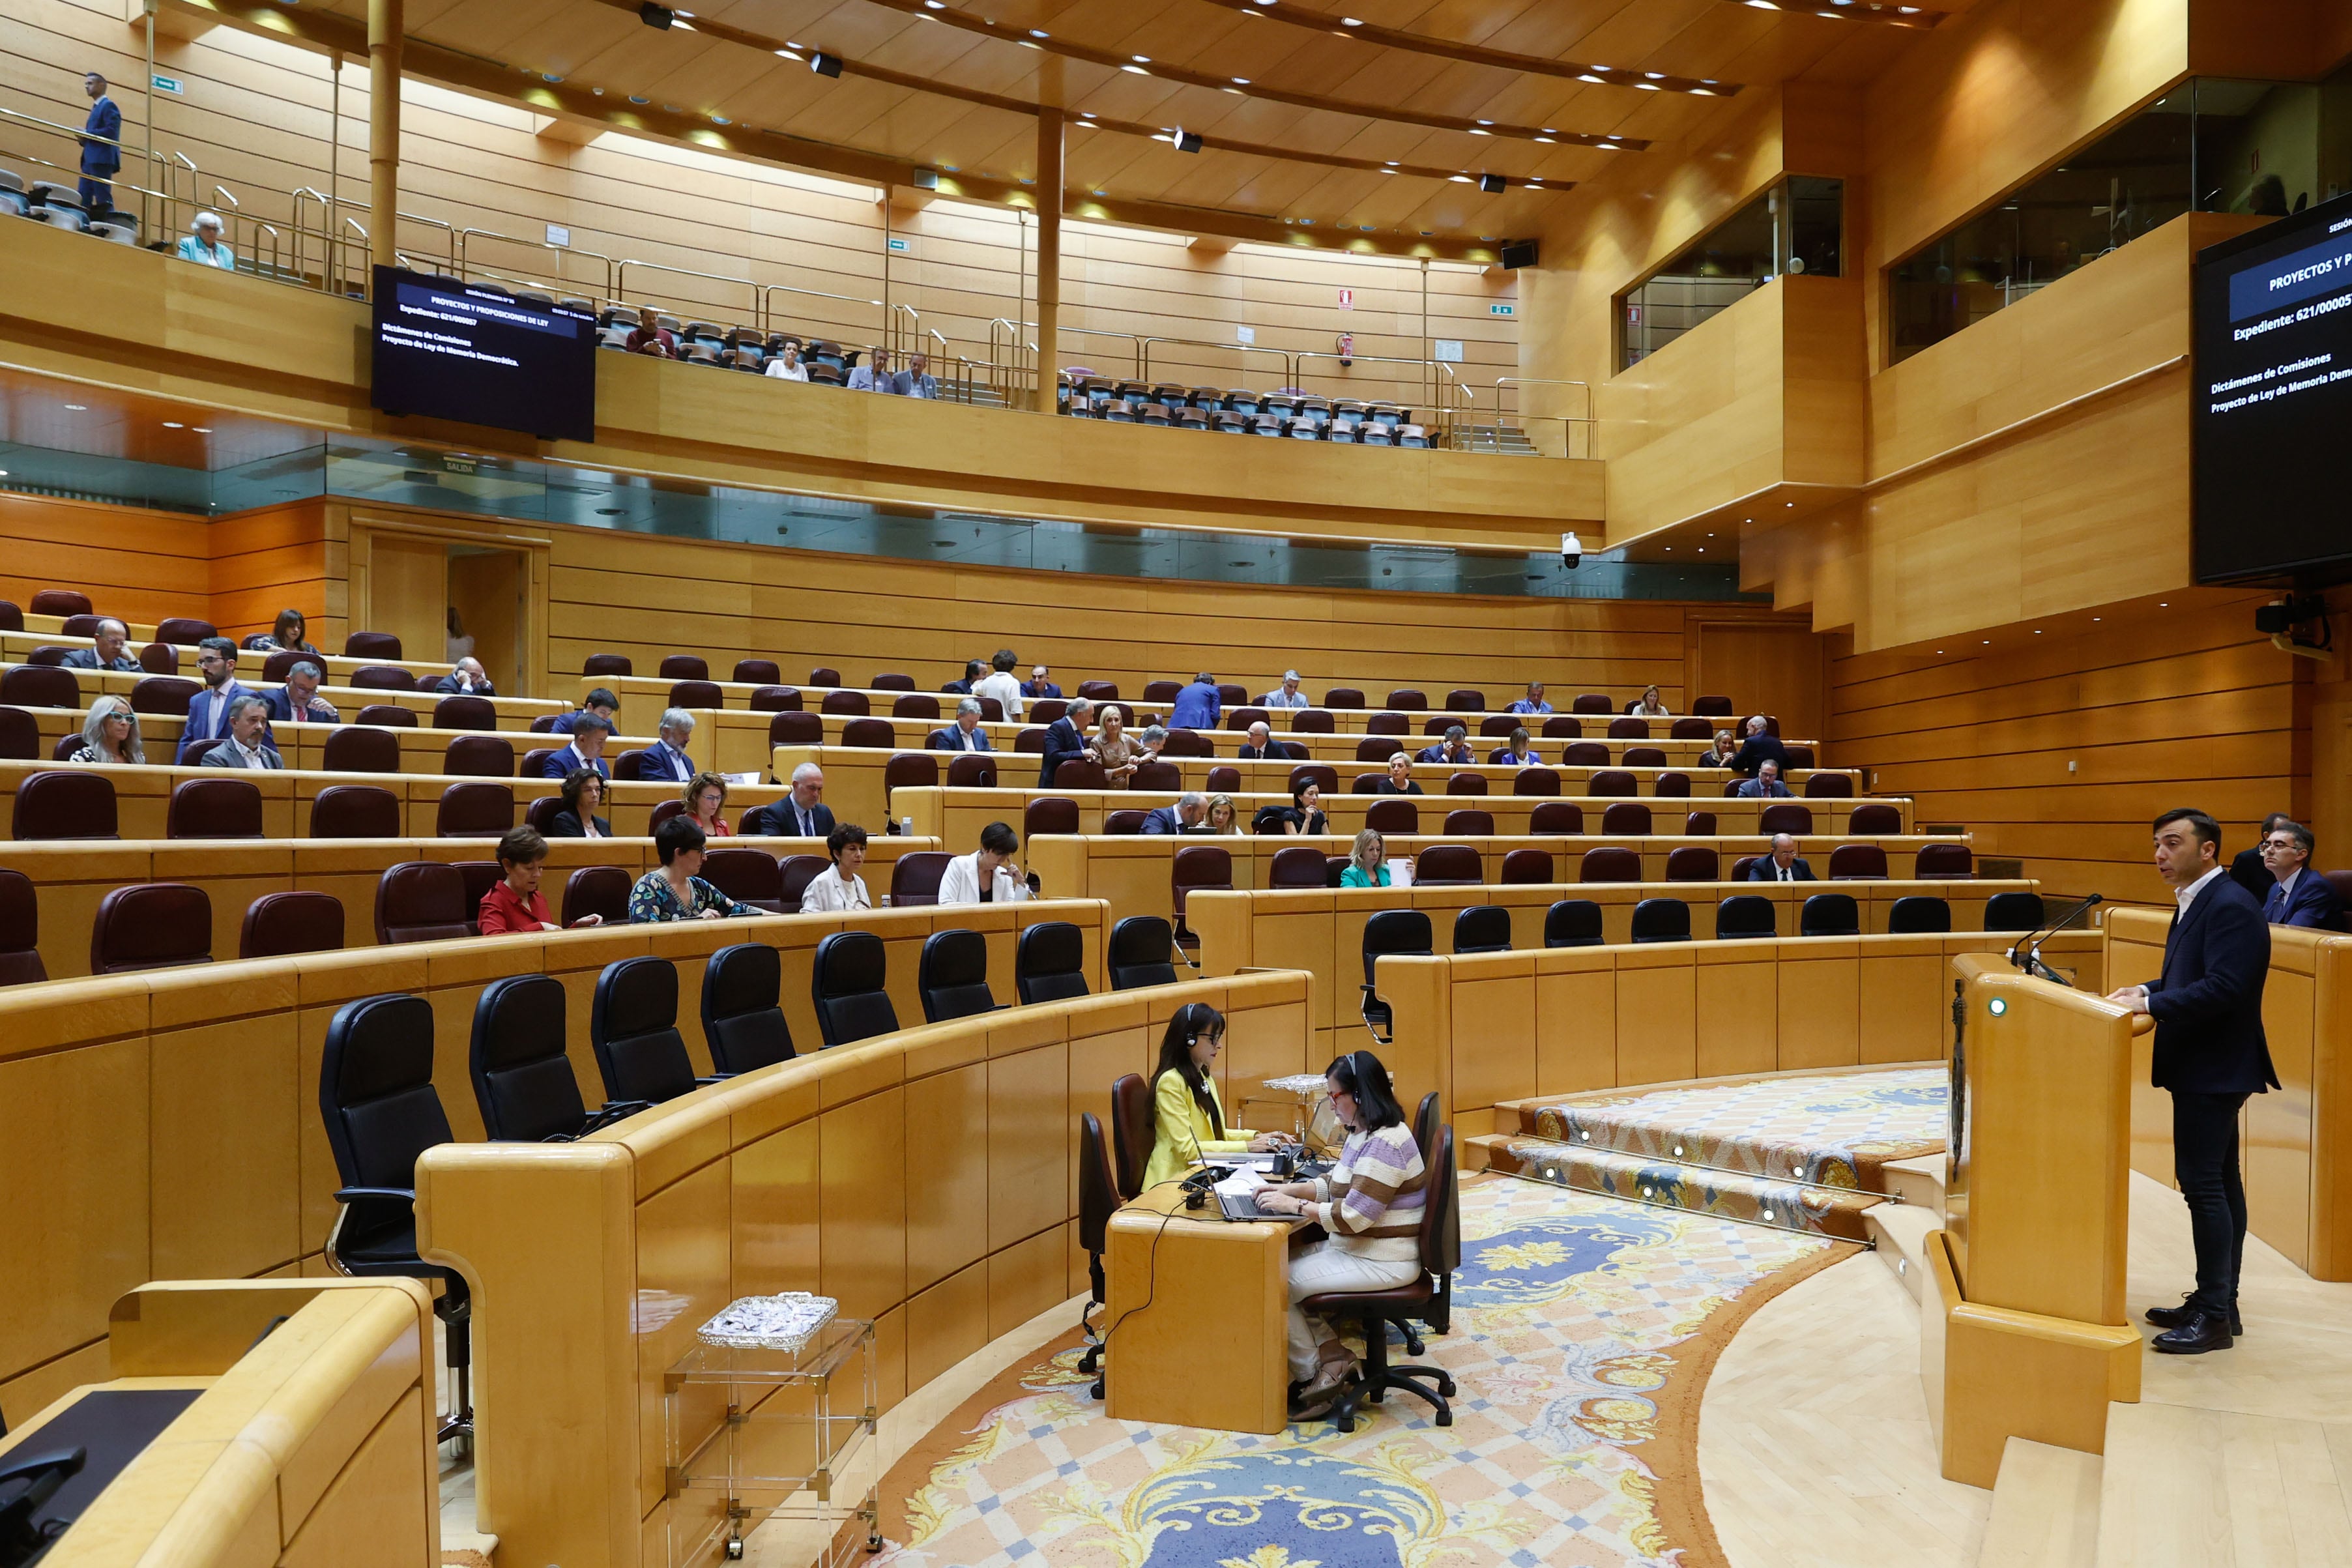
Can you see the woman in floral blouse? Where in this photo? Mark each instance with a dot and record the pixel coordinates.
(674, 892)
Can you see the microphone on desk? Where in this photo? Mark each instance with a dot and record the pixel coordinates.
(2025, 952)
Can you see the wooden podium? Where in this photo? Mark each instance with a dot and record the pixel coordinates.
(2030, 1338)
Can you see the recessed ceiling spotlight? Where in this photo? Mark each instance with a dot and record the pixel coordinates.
(201, 429)
(1039, 33)
(1137, 70)
(1590, 78)
(78, 407)
(1649, 86)
(935, 4)
(1474, 131)
(1486, 122)
(1240, 81)
(1548, 141)
(1140, 59)
(174, 425)
(1457, 179)
(1350, 22)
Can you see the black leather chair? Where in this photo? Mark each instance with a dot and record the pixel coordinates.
(20, 931)
(1142, 953)
(1482, 928)
(846, 986)
(1573, 922)
(632, 1027)
(1050, 963)
(1918, 915)
(1662, 919)
(376, 1097)
(1099, 1199)
(742, 1019)
(1745, 916)
(2013, 912)
(1441, 1254)
(523, 1081)
(1830, 914)
(1391, 933)
(953, 976)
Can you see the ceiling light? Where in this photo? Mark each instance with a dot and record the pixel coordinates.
(1387, 171)
(787, 55)
(78, 407)
(1608, 147)
(201, 429)
(1039, 33)
(1137, 70)
(1590, 78)
(935, 4)
(174, 425)
(1186, 140)
(1350, 22)
(1140, 59)
(1648, 87)
(825, 64)
(1475, 131)
(1491, 183)
(1486, 122)
(1240, 81)
(1548, 141)
(1656, 75)
(654, 15)
(1459, 180)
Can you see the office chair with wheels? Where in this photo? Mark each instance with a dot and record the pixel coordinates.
(953, 976)
(1391, 933)
(1049, 964)
(1441, 1254)
(743, 1018)
(846, 986)
(1142, 953)
(1133, 1129)
(523, 1081)
(632, 1025)
(1099, 1199)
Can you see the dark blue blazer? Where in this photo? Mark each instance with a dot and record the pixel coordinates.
(281, 708)
(1197, 708)
(1753, 754)
(2207, 1002)
(564, 760)
(2313, 903)
(951, 739)
(102, 157)
(1040, 689)
(1162, 819)
(1063, 744)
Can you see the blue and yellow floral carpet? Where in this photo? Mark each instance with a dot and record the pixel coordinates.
(1583, 1331)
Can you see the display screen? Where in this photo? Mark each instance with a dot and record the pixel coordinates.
(450, 350)
(2272, 402)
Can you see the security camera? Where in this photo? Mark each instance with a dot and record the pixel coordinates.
(1571, 552)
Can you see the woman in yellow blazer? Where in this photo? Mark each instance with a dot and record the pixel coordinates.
(1185, 1110)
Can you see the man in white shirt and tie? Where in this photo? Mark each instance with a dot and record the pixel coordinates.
(1783, 865)
(2299, 896)
(666, 759)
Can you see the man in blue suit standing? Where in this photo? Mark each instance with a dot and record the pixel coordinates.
(2298, 896)
(2210, 1054)
(1198, 706)
(101, 152)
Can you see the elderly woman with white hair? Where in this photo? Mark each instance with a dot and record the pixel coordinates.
(110, 734)
(203, 244)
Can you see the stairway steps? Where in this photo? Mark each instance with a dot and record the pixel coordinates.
(2045, 1508)
(1918, 1180)
(2188, 1487)
(1724, 1194)
(1899, 1231)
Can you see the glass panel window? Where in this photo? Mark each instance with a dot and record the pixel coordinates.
(1795, 227)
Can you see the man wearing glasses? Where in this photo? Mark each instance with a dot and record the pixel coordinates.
(2298, 896)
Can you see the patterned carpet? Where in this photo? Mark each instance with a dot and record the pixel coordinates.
(1583, 1331)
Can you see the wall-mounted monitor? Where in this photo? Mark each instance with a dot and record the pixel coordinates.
(446, 350)
(2271, 401)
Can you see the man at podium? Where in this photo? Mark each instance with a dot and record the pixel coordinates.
(2210, 1054)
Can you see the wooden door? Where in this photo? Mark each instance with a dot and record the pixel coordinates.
(1765, 668)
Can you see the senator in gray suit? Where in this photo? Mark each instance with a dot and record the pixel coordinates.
(248, 718)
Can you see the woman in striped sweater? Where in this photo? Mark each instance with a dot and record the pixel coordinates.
(1369, 1208)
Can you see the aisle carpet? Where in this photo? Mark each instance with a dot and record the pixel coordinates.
(1583, 1331)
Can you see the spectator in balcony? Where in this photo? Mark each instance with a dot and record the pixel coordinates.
(515, 903)
(108, 650)
(1533, 702)
(285, 636)
(584, 793)
(1119, 752)
(787, 366)
(917, 380)
(298, 698)
(1518, 754)
(101, 147)
(1647, 705)
(1766, 784)
(989, 875)
(838, 887)
(1724, 754)
(208, 710)
(1038, 685)
(973, 672)
(1287, 695)
(248, 744)
(874, 375)
(1065, 741)
(1454, 748)
(1368, 862)
(1761, 746)
(204, 246)
(650, 337)
(1001, 683)
(468, 680)
(705, 796)
(666, 759)
(1223, 815)
(110, 734)
(1198, 706)
(672, 892)
(1400, 779)
(1260, 744)
(965, 734)
(600, 704)
(586, 750)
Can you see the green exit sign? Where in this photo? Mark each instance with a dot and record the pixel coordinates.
(899, 247)
(171, 85)
(1502, 310)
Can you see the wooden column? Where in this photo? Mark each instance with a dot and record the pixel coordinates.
(384, 130)
(1049, 253)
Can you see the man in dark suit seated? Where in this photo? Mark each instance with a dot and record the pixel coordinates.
(2298, 896)
(1766, 784)
(973, 669)
(1182, 817)
(802, 814)
(1066, 740)
(468, 680)
(108, 651)
(1759, 745)
(1455, 749)
(298, 698)
(1038, 686)
(1198, 706)
(2249, 869)
(600, 703)
(965, 734)
(2210, 1053)
(246, 744)
(1783, 865)
(1260, 744)
(586, 750)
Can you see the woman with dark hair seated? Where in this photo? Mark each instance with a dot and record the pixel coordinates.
(838, 887)
(673, 892)
(1369, 1208)
(285, 634)
(1304, 814)
(583, 791)
(1187, 1119)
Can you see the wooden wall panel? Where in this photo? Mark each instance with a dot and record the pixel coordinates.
(140, 564)
(2060, 748)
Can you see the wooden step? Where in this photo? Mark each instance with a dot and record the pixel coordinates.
(1697, 1189)
(1918, 1180)
(2186, 1488)
(2045, 1508)
(1901, 1231)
